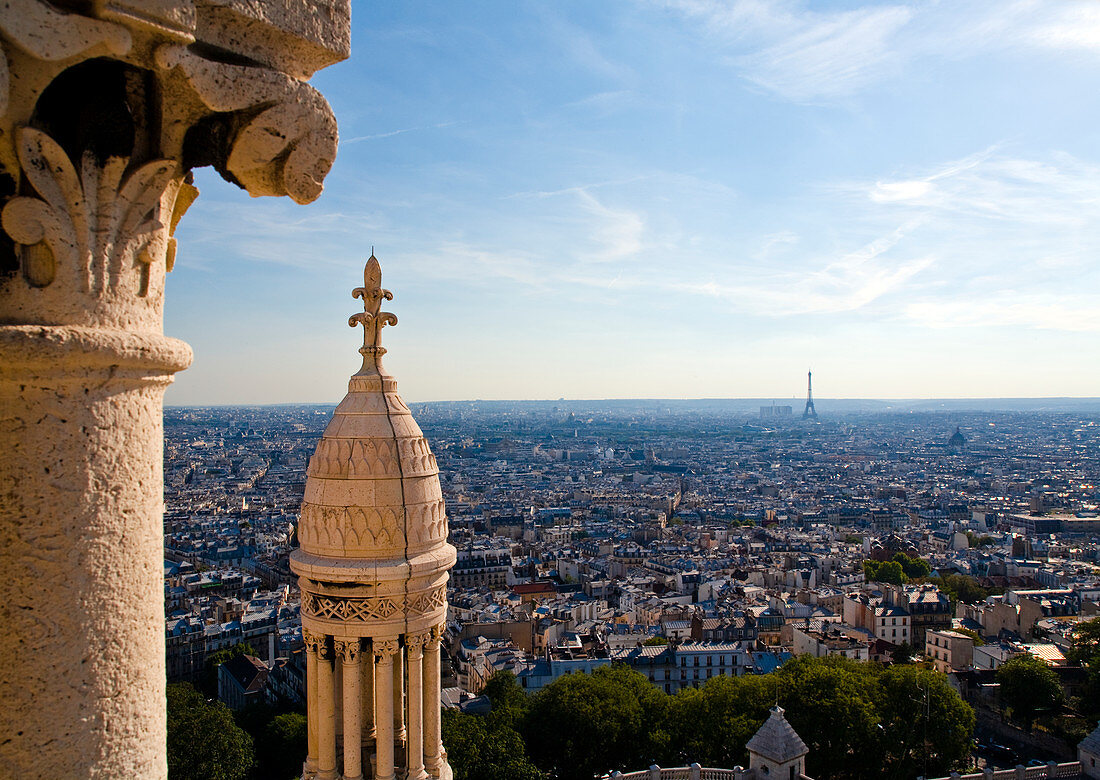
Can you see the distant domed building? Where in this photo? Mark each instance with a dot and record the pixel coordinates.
(373, 566)
(957, 442)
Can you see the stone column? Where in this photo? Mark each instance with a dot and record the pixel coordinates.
(326, 715)
(313, 642)
(433, 740)
(384, 652)
(348, 652)
(399, 696)
(96, 102)
(414, 650)
(367, 667)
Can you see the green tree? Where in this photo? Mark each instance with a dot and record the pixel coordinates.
(281, 747)
(476, 751)
(903, 653)
(203, 741)
(830, 703)
(926, 727)
(712, 724)
(1028, 687)
(1086, 643)
(913, 568)
(960, 587)
(510, 702)
(889, 572)
(655, 641)
(584, 724)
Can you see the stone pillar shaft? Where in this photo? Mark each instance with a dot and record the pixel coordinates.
(326, 717)
(383, 717)
(81, 551)
(415, 751)
(368, 696)
(353, 738)
(433, 740)
(311, 705)
(399, 696)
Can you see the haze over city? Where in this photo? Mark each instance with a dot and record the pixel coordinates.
(678, 199)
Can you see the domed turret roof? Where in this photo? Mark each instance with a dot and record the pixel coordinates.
(372, 486)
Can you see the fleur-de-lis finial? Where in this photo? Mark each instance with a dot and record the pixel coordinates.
(372, 318)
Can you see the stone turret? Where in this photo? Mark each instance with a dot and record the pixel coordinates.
(373, 566)
(776, 750)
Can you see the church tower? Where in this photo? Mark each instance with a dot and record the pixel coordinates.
(373, 566)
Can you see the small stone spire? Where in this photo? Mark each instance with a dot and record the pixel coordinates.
(372, 318)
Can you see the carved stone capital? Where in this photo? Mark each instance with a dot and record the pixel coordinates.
(347, 650)
(384, 650)
(106, 109)
(313, 641)
(414, 644)
(437, 633)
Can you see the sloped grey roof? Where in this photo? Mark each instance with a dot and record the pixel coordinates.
(1091, 743)
(776, 740)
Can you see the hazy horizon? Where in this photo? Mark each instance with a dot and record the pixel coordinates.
(843, 405)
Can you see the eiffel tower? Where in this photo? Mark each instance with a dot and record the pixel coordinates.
(811, 412)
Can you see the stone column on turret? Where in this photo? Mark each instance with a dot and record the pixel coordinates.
(414, 645)
(368, 699)
(433, 742)
(313, 643)
(326, 714)
(105, 108)
(348, 652)
(384, 653)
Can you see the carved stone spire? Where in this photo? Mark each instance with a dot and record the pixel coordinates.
(373, 564)
(372, 318)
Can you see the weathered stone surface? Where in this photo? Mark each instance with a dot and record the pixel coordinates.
(105, 107)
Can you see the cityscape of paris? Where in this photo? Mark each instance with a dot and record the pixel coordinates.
(527, 390)
(693, 542)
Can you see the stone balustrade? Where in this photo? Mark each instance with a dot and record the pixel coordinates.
(692, 772)
(1050, 769)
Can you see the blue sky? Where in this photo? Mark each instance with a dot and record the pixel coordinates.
(690, 198)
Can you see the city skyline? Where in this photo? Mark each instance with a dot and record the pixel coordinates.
(679, 200)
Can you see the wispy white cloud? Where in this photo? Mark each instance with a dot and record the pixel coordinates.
(616, 231)
(823, 54)
(1017, 236)
(379, 136)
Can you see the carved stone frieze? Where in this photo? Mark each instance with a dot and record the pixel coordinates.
(362, 529)
(365, 610)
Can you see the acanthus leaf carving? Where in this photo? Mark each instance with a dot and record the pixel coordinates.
(94, 223)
